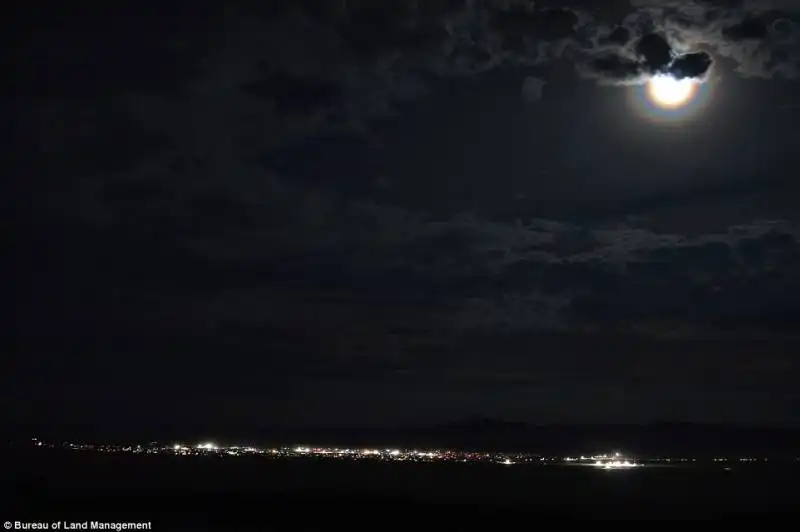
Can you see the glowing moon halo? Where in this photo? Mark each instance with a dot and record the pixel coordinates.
(670, 93)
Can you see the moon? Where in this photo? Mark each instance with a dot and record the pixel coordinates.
(668, 92)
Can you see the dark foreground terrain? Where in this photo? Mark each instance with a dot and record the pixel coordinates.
(195, 493)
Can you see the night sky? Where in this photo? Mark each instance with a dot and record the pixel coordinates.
(351, 212)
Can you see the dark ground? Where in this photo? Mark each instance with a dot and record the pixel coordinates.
(261, 494)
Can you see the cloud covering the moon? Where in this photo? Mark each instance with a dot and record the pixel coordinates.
(649, 56)
(305, 66)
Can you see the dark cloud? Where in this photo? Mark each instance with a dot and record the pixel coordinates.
(651, 54)
(457, 274)
(693, 66)
(748, 29)
(622, 70)
(341, 65)
(532, 89)
(187, 199)
(654, 51)
(285, 87)
(745, 32)
(783, 28)
(614, 69)
(761, 39)
(619, 36)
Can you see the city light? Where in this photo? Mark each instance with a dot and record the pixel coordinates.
(615, 464)
(613, 461)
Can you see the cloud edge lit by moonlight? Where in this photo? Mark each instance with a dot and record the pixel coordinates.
(650, 55)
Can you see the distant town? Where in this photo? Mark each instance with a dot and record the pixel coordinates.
(610, 460)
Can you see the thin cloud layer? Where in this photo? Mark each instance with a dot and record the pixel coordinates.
(188, 171)
(257, 254)
(158, 223)
(300, 68)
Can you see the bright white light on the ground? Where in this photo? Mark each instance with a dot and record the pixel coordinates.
(615, 464)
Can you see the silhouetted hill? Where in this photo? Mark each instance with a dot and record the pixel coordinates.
(480, 433)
